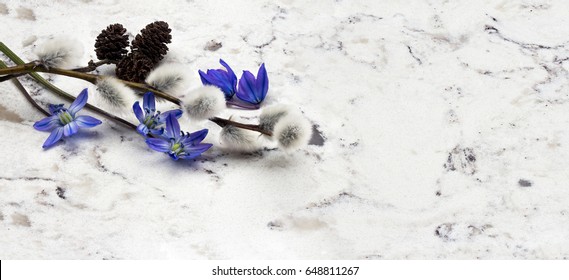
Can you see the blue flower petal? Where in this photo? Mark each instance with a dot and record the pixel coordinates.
(174, 156)
(160, 119)
(246, 90)
(262, 85)
(70, 129)
(195, 138)
(142, 129)
(224, 82)
(157, 132)
(47, 124)
(205, 78)
(177, 113)
(212, 78)
(55, 136)
(229, 71)
(172, 127)
(54, 108)
(138, 111)
(158, 144)
(79, 102)
(195, 151)
(87, 121)
(148, 102)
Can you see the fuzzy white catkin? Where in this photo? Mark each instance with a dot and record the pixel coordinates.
(114, 96)
(203, 103)
(292, 132)
(169, 77)
(60, 52)
(238, 139)
(271, 115)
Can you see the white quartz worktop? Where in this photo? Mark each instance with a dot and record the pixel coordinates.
(443, 133)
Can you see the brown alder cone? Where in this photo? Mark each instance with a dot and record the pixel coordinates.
(134, 67)
(112, 42)
(152, 41)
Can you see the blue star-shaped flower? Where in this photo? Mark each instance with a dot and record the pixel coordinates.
(177, 144)
(64, 122)
(150, 119)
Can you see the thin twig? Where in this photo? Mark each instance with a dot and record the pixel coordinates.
(25, 92)
(92, 66)
(224, 122)
(11, 76)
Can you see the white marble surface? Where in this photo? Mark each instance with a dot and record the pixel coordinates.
(446, 127)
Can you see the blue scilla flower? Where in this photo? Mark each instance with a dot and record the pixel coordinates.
(177, 144)
(253, 90)
(223, 79)
(63, 122)
(150, 119)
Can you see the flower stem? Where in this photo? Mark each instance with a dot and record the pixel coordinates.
(25, 92)
(242, 105)
(224, 122)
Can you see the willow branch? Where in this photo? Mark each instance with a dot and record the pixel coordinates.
(92, 66)
(91, 78)
(60, 92)
(224, 122)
